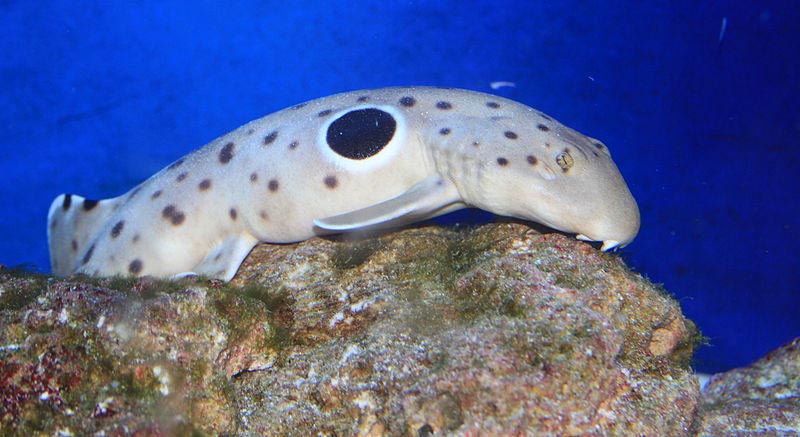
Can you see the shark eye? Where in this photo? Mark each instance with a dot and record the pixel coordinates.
(565, 160)
(361, 133)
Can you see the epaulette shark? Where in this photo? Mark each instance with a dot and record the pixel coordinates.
(363, 159)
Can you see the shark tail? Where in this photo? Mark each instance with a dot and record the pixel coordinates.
(73, 224)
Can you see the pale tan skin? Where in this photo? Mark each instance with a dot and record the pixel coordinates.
(277, 180)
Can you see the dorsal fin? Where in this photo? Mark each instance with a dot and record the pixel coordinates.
(72, 223)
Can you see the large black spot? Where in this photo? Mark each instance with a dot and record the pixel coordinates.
(361, 133)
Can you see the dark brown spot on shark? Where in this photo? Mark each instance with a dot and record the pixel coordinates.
(532, 160)
(502, 161)
(232, 212)
(363, 98)
(253, 177)
(204, 185)
(331, 181)
(176, 164)
(88, 255)
(408, 101)
(115, 231)
(135, 267)
(273, 185)
(293, 145)
(324, 113)
(510, 135)
(493, 105)
(134, 192)
(226, 154)
(171, 213)
(74, 246)
(270, 138)
(181, 177)
(263, 215)
(444, 131)
(444, 105)
(88, 205)
(156, 195)
(542, 127)
(168, 211)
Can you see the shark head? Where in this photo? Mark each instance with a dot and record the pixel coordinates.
(529, 166)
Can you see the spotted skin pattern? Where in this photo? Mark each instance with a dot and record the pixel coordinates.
(363, 159)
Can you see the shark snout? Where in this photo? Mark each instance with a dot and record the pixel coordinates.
(615, 228)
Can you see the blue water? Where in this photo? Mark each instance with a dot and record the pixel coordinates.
(94, 98)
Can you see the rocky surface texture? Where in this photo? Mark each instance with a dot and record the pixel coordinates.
(424, 331)
(763, 399)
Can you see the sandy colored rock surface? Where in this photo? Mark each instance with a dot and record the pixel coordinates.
(423, 331)
(762, 399)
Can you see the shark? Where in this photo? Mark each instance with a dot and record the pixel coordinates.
(366, 159)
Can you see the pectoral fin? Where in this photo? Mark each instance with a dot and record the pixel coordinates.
(428, 198)
(223, 261)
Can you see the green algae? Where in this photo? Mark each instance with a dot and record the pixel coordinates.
(244, 307)
(20, 288)
(352, 254)
(439, 262)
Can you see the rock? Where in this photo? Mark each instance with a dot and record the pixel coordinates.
(763, 399)
(424, 331)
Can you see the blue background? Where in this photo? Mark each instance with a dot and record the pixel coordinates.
(97, 96)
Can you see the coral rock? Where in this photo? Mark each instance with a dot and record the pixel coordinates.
(763, 399)
(496, 330)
